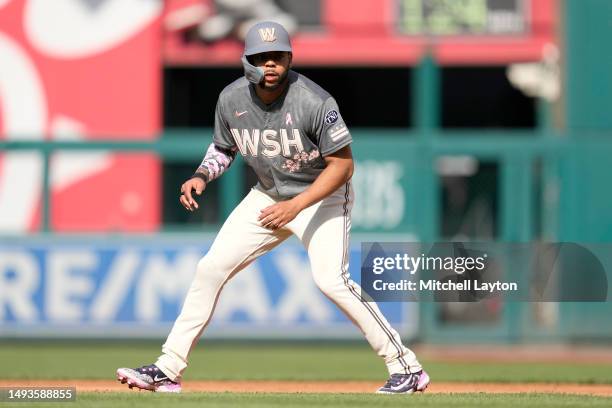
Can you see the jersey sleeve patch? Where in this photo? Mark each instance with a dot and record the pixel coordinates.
(331, 117)
(338, 132)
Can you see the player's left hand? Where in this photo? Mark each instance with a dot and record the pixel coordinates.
(278, 215)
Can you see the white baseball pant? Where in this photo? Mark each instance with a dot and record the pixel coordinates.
(324, 230)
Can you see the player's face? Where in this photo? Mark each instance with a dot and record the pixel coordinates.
(276, 65)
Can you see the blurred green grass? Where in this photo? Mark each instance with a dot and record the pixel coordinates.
(267, 361)
(150, 400)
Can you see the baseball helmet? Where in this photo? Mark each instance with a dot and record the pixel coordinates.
(263, 37)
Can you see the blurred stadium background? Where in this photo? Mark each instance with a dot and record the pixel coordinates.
(485, 120)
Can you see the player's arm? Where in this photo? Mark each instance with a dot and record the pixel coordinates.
(218, 158)
(216, 161)
(338, 171)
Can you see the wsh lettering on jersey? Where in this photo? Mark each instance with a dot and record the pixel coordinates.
(273, 142)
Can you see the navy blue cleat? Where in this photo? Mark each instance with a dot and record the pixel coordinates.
(405, 383)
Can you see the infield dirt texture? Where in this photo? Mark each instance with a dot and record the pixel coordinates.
(327, 375)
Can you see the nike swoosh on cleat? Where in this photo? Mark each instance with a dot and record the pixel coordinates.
(402, 385)
(159, 379)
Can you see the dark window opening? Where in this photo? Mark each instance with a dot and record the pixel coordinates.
(476, 97)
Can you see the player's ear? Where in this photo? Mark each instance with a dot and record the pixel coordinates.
(290, 55)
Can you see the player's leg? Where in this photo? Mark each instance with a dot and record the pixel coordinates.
(240, 241)
(324, 231)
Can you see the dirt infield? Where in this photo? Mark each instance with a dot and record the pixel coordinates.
(325, 387)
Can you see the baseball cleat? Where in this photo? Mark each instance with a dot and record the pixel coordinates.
(405, 383)
(147, 378)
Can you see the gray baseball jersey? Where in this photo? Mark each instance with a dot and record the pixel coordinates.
(283, 142)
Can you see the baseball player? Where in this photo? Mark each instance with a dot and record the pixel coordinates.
(289, 130)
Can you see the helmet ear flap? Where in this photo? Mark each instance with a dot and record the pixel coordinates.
(251, 72)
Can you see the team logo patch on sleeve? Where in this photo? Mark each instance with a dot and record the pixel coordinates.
(331, 117)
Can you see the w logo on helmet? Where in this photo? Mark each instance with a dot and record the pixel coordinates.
(267, 34)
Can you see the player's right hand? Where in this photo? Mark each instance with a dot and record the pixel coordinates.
(187, 199)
